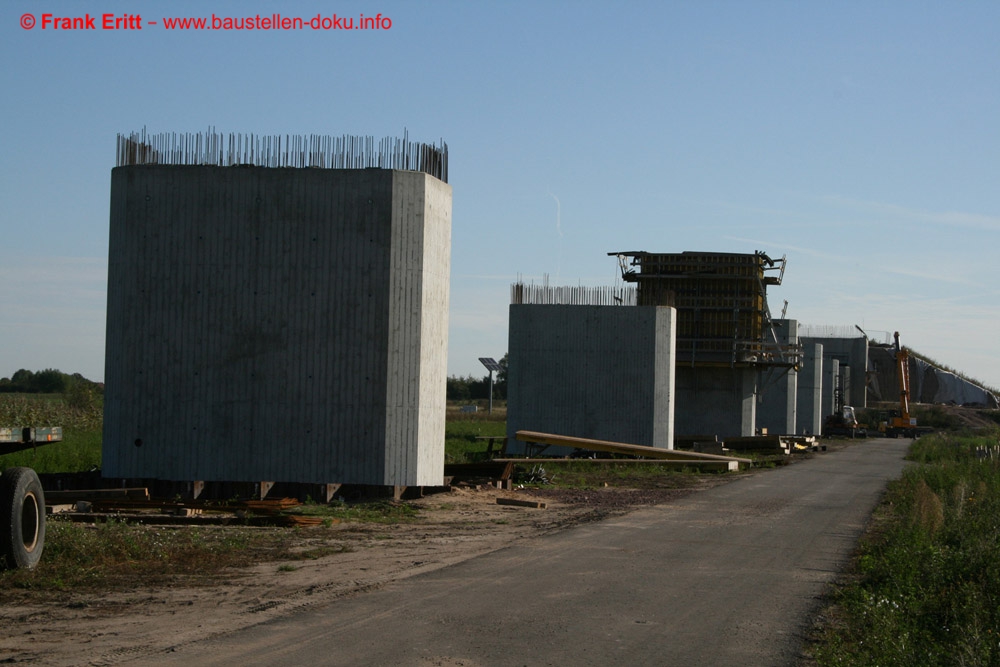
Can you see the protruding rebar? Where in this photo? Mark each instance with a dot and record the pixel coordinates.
(572, 295)
(345, 152)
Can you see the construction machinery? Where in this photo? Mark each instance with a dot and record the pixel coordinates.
(901, 424)
(843, 422)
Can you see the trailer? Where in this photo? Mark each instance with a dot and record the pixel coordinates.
(22, 501)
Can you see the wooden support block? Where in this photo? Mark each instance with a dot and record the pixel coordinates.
(521, 503)
(59, 508)
(328, 491)
(265, 488)
(197, 488)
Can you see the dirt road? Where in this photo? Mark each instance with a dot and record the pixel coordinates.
(131, 619)
(729, 576)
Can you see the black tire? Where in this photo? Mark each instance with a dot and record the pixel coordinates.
(22, 518)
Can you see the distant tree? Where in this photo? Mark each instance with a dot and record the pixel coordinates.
(22, 379)
(458, 389)
(83, 394)
(478, 389)
(500, 386)
(49, 381)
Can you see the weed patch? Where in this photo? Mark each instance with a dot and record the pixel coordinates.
(108, 555)
(925, 588)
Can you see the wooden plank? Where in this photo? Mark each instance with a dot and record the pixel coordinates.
(704, 466)
(521, 503)
(620, 447)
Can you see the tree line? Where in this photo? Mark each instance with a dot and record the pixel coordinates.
(48, 381)
(52, 381)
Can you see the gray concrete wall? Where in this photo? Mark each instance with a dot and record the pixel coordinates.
(277, 324)
(777, 407)
(831, 373)
(716, 401)
(603, 372)
(850, 353)
(810, 390)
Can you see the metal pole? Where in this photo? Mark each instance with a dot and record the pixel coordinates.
(491, 392)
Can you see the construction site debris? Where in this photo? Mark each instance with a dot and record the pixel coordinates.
(196, 520)
(119, 505)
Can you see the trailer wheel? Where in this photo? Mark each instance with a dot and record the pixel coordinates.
(22, 518)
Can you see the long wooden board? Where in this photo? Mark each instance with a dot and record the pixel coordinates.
(620, 448)
(702, 465)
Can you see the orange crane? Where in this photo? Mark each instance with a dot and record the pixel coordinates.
(902, 424)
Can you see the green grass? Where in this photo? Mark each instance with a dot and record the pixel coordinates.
(79, 451)
(82, 418)
(82, 422)
(460, 443)
(925, 587)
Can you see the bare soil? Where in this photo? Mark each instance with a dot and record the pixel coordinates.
(970, 418)
(137, 620)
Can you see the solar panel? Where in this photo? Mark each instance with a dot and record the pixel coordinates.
(490, 363)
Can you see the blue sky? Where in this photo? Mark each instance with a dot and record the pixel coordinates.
(861, 140)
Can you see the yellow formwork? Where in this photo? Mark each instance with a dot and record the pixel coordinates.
(720, 299)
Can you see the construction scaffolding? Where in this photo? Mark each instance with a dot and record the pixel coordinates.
(721, 299)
